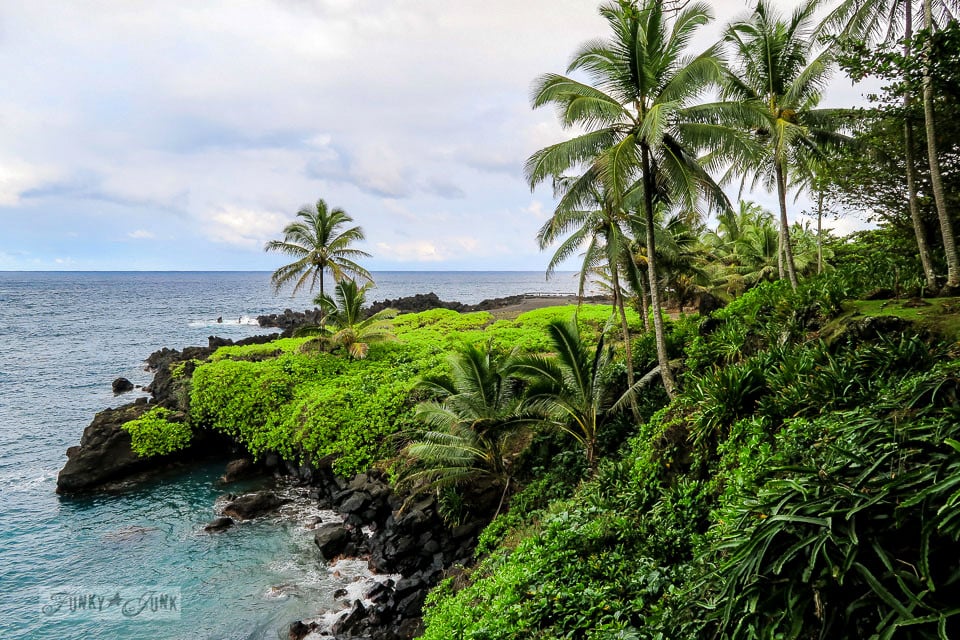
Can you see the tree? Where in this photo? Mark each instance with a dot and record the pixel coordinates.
(569, 389)
(874, 21)
(471, 422)
(641, 121)
(351, 328)
(319, 244)
(593, 219)
(778, 80)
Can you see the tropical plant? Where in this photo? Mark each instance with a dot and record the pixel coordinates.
(641, 121)
(570, 389)
(346, 324)
(778, 81)
(319, 244)
(471, 423)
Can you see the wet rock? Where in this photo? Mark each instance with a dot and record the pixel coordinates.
(353, 623)
(237, 470)
(254, 505)
(299, 630)
(122, 385)
(332, 540)
(219, 524)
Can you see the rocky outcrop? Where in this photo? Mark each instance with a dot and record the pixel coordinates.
(105, 455)
(104, 452)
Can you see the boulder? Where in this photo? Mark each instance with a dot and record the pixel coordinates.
(254, 505)
(299, 630)
(104, 452)
(122, 385)
(332, 540)
(219, 524)
(237, 470)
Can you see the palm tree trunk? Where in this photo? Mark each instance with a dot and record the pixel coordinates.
(820, 231)
(323, 314)
(644, 303)
(936, 180)
(787, 253)
(662, 358)
(780, 271)
(919, 229)
(624, 327)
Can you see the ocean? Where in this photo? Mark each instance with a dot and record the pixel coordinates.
(64, 337)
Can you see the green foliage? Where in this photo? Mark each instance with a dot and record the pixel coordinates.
(155, 434)
(254, 351)
(275, 398)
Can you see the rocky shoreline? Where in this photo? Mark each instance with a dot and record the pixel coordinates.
(406, 540)
(290, 320)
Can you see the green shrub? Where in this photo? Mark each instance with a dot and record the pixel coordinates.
(154, 434)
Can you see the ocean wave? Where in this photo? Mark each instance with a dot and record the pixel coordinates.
(241, 321)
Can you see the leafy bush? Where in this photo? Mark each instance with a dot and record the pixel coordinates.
(154, 434)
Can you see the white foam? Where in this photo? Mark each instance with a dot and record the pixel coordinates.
(212, 322)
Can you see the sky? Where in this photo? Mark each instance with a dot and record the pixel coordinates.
(177, 135)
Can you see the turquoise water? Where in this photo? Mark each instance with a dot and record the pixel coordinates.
(63, 338)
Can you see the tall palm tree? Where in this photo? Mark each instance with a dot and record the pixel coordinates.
(876, 21)
(319, 244)
(568, 389)
(641, 121)
(778, 80)
(471, 422)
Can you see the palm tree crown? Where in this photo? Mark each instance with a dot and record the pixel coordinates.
(318, 243)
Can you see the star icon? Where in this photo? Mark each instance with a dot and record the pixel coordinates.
(115, 600)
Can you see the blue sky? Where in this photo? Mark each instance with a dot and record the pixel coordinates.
(183, 135)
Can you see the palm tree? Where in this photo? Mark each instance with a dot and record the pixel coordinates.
(597, 222)
(880, 20)
(568, 389)
(318, 243)
(350, 329)
(471, 422)
(641, 121)
(779, 80)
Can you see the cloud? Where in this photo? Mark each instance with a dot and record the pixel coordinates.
(141, 234)
(439, 250)
(18, 177)
(243, 227)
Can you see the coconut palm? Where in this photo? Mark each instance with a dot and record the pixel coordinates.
(319, 243)
(778, 79)
(596, 224)
(569, 389)
(876, 21)
(346, 325)
(641, 121)
(471, 422)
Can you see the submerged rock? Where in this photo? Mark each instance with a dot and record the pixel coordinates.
(254, 505)
(219, 524)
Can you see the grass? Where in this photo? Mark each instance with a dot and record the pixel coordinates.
(938, 315)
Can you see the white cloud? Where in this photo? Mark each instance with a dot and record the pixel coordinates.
(244, 227)
(141, 234)
(18, 177)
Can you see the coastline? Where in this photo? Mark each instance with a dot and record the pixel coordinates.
(415, 544)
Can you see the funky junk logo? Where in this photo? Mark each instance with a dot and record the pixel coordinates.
(111, 603)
